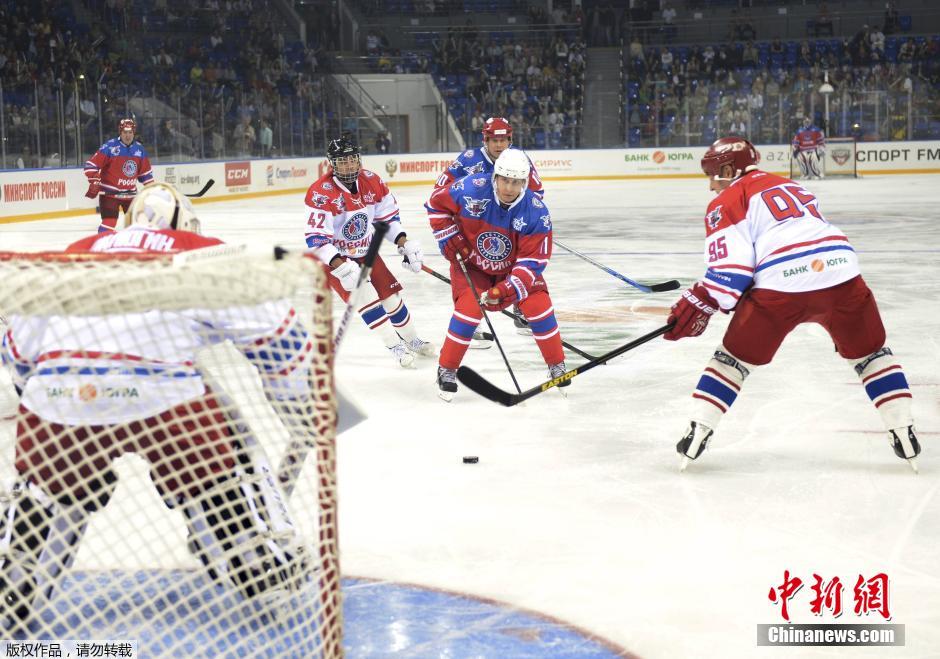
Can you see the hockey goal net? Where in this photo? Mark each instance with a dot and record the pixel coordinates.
(837, 160)
(168, 467)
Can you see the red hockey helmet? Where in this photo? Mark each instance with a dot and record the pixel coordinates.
(732, 150)
(127, 123)
(497, 127)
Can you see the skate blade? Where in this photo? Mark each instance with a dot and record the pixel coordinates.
(564, 394)
(481, 345)
(683, 463)
(407, 362)
(913, 463)
(523, 331)
(446, 396)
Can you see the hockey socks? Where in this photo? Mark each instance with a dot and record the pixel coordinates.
(718, 387)
(540, 313)
(884, 382)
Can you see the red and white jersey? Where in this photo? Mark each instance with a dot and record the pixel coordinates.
(118, 167)
(117, 368)
(767, 231)
(138, 239)
(340, 221)
(808, 139)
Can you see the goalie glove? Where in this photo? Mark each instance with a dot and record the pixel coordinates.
(504, 294)
(348, 274)
(691, 313)
(412, 256)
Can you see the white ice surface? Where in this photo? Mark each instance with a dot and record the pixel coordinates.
(576, 507)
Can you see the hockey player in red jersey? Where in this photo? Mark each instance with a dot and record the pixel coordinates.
(114, 171)
(774, 260)
(503, 234)
(201, 453)
(342, 205)
(809, 147)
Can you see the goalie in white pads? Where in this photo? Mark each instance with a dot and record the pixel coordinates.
(774, 260)
(96, 387)
(809, 148)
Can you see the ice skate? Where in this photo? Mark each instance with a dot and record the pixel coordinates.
(421, 347)
(481, 341)
(556, 371)
(905, 445)
(446, 383)
(402, 354)
(693, 443)
(522, 327)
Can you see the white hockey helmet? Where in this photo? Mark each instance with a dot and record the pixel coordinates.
(512, 163)
(161, 206)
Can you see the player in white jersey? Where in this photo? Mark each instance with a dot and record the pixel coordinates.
(341, 206)
(774, 260)
(96, 387)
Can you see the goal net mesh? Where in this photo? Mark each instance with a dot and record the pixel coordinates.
(167, 454)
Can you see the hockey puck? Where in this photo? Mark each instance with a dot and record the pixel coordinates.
(470, 459)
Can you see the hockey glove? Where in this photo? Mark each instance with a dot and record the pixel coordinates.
(453, 246)
(691, 313)
(93, 189)
(412, 256)
(503, 294)
(348, 274)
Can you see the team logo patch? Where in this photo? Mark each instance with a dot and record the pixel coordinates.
(340, 204)
(475, 169)
(367, 173)
(537, 203)
(458, 185)
(479, 182)
(713, 218)
(518, 224)
(546, 221)
(129, 168)
(318, 199)
(115, 150)
(475, 207)
(454, 166)
(328, 186)
(493, 246)
(468, 153)
(841, 156)
(356, 227)
(368, 197)
(138, 152)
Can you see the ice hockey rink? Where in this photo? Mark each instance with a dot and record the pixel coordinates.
(575, 534)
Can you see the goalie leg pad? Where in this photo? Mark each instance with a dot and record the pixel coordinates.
(884, 381)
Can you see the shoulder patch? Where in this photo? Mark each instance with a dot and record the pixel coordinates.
(537, 203)
(475, 207)
(318, 199)
(518, 223)
(714, 217)
(546, 221)
(468, 153)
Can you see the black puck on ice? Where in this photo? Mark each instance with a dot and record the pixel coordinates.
(470, 459)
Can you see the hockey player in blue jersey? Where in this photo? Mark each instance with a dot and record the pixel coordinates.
(497, 137)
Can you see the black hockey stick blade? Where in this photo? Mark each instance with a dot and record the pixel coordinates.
(476, 382)
(670, 285)
(204, 190)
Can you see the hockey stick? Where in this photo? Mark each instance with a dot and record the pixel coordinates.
(204, 190)
(507, 312)
(476, 296)
(670, 285)
(476, 382)
(381, 228)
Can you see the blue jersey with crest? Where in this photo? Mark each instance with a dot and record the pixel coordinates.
(478, 161)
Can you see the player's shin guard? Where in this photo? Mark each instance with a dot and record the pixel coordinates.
(540, 313)
(716, 391)
(376, 318)
(401, 321)
(886, 386)
(459, 334)
(39, 537)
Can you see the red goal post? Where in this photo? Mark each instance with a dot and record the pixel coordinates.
(168, 470)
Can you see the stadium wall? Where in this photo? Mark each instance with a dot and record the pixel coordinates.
(42, 194)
